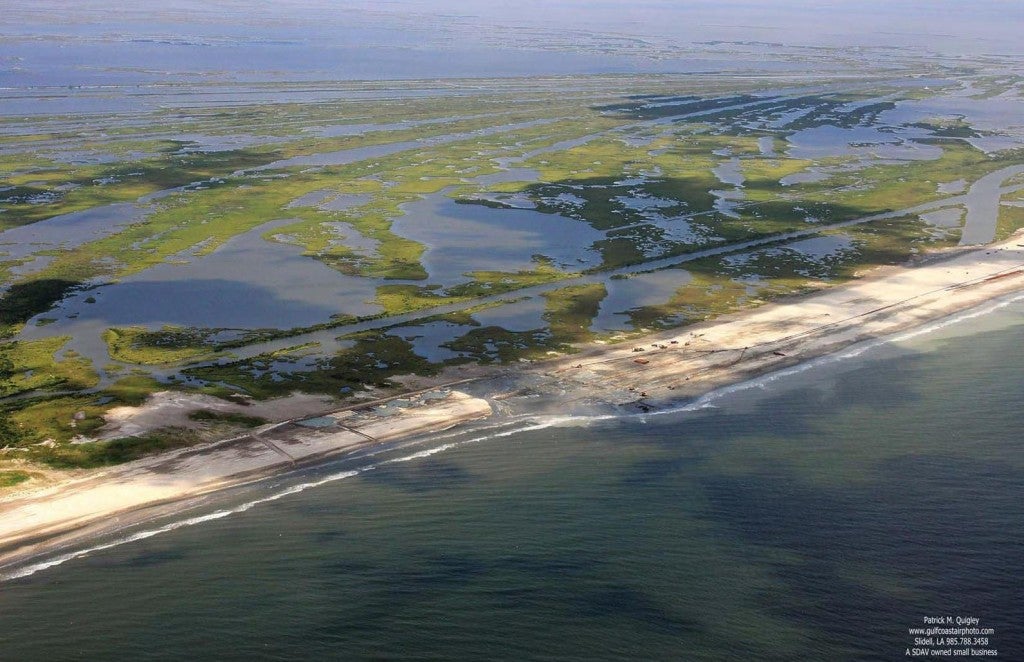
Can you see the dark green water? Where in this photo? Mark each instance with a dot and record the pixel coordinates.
(815, 517)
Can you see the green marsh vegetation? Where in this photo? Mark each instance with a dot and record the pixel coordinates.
(116, 451)
(13, 477)
(230, 418)
(662, 168)
(1011, 215)
(168, 345)
(34, 365)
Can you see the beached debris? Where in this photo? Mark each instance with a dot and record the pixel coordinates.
(641, 361)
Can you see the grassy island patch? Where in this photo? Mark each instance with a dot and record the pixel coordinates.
(12, 478)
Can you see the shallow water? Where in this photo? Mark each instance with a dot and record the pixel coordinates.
(766, 145)
(998, 119)
(70, 230)
(727, 201)
(944, 218)
(521, 316)
(426, 339)
(833, 507)
(730, 172)
(452, 234)
(827, 141)
(983, 206)
(220, 289)
(625, 294)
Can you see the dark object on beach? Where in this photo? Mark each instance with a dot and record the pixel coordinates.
(778, 353)
(643, 394)
(1006, 274)
(641, 361)
(638, 349)
(673, 342)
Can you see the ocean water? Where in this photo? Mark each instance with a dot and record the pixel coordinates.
(811, 515)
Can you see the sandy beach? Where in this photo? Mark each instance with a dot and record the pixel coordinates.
(660, 370)
(104, 501)
(687, 363)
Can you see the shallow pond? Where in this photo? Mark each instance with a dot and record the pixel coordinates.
(248, 282)
(70, 230)
(827, 141)
(461, 238)
(624, 294)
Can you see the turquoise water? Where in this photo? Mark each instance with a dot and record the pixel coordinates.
(814, 515)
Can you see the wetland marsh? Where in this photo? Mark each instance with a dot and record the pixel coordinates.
(265, 248)
(552, 329)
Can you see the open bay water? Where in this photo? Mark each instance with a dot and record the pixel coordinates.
(811, 515)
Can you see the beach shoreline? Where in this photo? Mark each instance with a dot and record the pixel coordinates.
(645, 375)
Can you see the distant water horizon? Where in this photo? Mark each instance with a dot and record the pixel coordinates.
(46, 45)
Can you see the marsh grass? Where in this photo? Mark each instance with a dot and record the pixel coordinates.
(31, 365)
(169, 345)
(116, 451)
(13, 477)
(231, 418)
